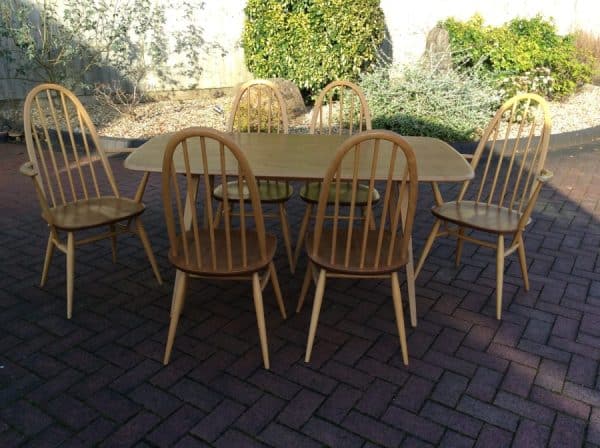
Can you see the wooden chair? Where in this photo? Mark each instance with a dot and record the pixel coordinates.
(240, 248)
(341, 108)
(513, 151)
(73, 179)
(371, 246)
(260, 107)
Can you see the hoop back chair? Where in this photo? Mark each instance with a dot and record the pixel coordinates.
(375, 247)
(341, 108)
(73, 179)
(238, 249)
(259, 107)
(512, 151)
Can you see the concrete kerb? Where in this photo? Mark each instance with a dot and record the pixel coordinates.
(557, 141)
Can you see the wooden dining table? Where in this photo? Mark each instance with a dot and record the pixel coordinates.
(306, 157)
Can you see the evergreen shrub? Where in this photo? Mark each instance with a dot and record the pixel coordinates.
(312, 42)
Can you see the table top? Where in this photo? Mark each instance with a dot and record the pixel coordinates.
(306, 157)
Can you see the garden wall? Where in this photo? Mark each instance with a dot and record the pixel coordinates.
(408, 24)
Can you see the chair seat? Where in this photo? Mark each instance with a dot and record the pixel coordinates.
(480, 216)
(269, 191)
(94, 212)
(254, 261)
(323, 258)
(311, 192)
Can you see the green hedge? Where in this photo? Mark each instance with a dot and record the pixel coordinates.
(521, 55)
(312, 42)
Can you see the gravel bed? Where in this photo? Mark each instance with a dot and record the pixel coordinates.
(580, 111)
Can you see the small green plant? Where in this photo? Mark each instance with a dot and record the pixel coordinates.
(254, 119)
(588, 45)
(539, 80)
(523, 55)
(312, 42)
(425, 99)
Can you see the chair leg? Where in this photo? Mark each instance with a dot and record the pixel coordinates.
(141, 231)
(410, 285)
(277, 290)
(139, 194)
(499, 275)
(523, 261)
(459, 245)
(113, 242)
(218, 214)
(178, 297)
(265, 280)
(399, 316)
(48, 258)
(260, 319)
(70, 272)
(178, 274)
(302, 234)
(430, 239)
(305, 285)
(315, 314)
(285, 230)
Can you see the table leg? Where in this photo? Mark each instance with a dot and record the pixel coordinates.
(207, 204)
(410, 268)
(191, 198)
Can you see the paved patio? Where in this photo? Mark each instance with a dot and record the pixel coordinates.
(98, 380)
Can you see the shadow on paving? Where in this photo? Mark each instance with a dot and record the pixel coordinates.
(531, 379)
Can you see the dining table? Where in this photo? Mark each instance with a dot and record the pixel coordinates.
(306, 157)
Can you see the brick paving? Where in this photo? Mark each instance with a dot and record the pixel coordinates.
(98, 380)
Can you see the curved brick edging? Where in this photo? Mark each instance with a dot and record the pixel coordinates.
(580, 137)
(121, 142)
(557, 141)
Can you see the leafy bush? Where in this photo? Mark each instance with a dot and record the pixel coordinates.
(521, 55)
(66, 41)
(425, 99)
(312, 42)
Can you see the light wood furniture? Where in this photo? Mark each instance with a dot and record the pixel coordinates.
(306, 157)
(235, 250)
(513, 151)
(341, 108)
(73, 179)
(373, 247)
(259, 107)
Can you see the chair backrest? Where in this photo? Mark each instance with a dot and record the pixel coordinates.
(64, 148)
(258, 107)
(378, 239)
(207, 247)
(512, 152)
(340, 108)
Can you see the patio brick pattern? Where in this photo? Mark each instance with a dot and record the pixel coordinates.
(531, 379)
